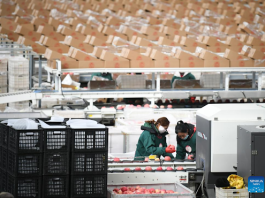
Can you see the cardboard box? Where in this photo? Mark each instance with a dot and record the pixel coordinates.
(119, 42)
(91, 64)
(130, 32)
(93, 32)
(217, 49)
(108, 56)
(21, 20)
(216, 63)
(233, 55)
(191, 63)
(164, 41)
(233, 41)
(133, 55)
(207, 55)
(117, 64)
(110, 31)
(209, 40)
(242, 63)
(191, 42)
(235, 48)
(172, 63)
(62, 49)
(97, 51)
(51, 55)
(256, 54)
(158, 55)
(97, 42)
(245, 50)
(141, 64)
(184, 55)
(8, 24)
(144, 42)
(243, 38)
(81, 56)
(102, 85)
(254, 41)
(40, 49)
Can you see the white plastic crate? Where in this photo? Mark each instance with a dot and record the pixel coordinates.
(21, 81)
(3, 79)
(3, 107)
(211, 80)
(18, 66)
(3, 89)
(16, 89)
(183, 192)
(19, 105)
(131, 81)
(231, 193)
(3, 64)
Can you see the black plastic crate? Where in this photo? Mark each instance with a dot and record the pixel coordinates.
(56, 163)
(24, 187)
(25, 141)
(56, 186)
(3, 135)
(24, 164)
(89, 140)
(3, 158)
(88, 186)
(3, 178)
(89, 163)
(57, 139)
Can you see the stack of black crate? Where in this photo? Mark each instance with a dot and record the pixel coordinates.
(56, 163)
(3, 156)
(24, 162)
(89, 163)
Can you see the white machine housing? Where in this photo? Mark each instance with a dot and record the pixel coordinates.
(224, 119)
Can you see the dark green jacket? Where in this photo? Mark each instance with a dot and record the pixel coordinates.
(108, 76)
(186, 77)
(184, 146)
(149, 141)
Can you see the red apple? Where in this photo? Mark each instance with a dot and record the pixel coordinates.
(157, 159)
(111, 107)
(116, 159)
(163, 192)
(146, 159)
(137, 187)
(170, 191)
(65, 73)
(169, 168)
(119, 192)
(147, 192)
(124, 188)
(132, 189)
(146, 106)
(151, 190)
(138, 106)
(159, 168)
(103, 107)
(169, 106)
(167, 158)
(71, 73)
(138, 192)
(148, 168)
(127, 169)
(115, 189)
(119, 107)
(162, 106)
(125, 192)
(158, 191)
(180, 168)
(172, 147)
(138, 168)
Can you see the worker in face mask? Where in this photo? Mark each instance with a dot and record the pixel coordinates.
(153, 141)
(186, 140)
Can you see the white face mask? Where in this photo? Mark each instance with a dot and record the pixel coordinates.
(161, 129)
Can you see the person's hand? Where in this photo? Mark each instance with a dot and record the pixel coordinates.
(170, 149)
(191, 157)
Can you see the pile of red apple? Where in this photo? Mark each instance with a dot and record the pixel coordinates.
(141, 190)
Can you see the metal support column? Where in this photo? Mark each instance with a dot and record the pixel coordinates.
(30, 70)
(40, 75)
(158, 81)
(227, 79)
(153, 80)
(259, 81)
(253, 79)
(221, 80)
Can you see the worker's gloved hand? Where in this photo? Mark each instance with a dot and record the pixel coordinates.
(170, 149)
(191, 157)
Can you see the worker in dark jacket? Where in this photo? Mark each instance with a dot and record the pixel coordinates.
(152, 141)
(103, 75)
(186, 140)
(182, 76)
